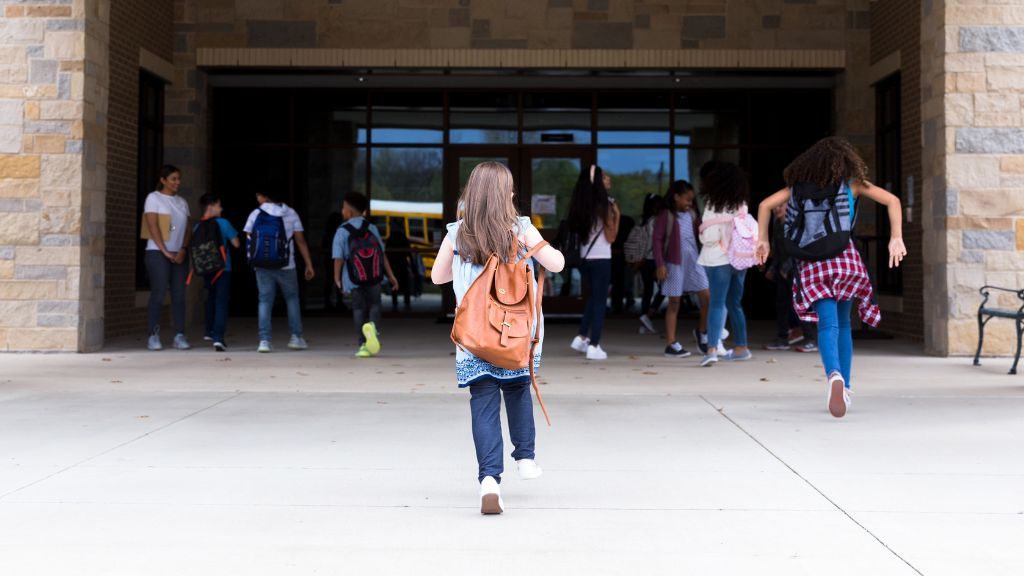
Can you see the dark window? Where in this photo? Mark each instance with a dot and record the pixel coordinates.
(150, 156)
(888, 136)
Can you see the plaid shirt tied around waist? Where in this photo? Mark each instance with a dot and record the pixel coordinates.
(841, 278)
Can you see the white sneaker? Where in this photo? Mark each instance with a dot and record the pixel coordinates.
(265, 347)
(838, 395)
(207, 338)
(725, 334)
(180, 343)
(220, 347)
(528, 469)
(579, 344)
(646, 321)
(154, 341)
(596, 353)
(297, 343)
(490, 497)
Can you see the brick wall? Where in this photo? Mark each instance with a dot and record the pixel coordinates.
(134, 25)
(895, 27)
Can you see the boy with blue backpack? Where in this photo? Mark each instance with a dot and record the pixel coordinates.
(272, 229)
(359, 269)
(212, 239)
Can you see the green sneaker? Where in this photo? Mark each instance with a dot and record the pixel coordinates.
(363, 352)
(372, 343)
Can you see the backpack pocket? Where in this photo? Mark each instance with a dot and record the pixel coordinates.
(510, 323)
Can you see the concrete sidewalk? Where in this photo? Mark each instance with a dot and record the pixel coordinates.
(130, 462)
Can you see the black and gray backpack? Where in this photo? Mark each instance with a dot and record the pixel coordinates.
(819, 221)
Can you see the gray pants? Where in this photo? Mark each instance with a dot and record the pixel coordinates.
(365, 303)
(163, 274)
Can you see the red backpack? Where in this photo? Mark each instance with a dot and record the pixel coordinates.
(366, 258)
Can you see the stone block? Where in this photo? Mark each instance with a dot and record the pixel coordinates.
(6, 269)
(959, 109)
(17, 166)
(1020, 233)
(994, 102)
(42, 72)
(40, 272)
(979, 223)
(56, 320)
(17, 314)
(992, 39)
(998, 202)
(965, 63)
(971, 82)
(48, 11)
(1004, 261)
(12, 112)
(990, 140)
(281, 34)
(19, 228)
(703, 27)
(60, 110)
(6, 252)
(69, 45)
(34, 290)
(972, 171)
(11, 139)
(1002, 79)
(49, 144)
(61, 221)
(602, 35)
(48, 255)
(61, 170)
(21, 31)
(43, 340)
(1012, 164)
(989, 240)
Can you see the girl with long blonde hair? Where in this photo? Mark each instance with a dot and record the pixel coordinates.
(489, 223)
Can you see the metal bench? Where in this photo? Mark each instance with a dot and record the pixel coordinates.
(986, 314)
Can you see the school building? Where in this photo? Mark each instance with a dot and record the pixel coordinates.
(398, 99)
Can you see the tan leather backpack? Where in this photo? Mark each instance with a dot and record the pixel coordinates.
(498, 319)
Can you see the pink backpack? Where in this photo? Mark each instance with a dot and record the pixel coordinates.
(741, 245)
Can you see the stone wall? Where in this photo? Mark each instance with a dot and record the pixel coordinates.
(52, 178)
(974, 150)
(134, 26)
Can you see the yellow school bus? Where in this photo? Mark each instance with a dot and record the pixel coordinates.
(421, 222)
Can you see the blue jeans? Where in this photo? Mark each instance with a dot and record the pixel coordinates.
(726, 285)
(164, 274)
(597, 275)
(218, 298)
(267, 282)
(485, 405)
(835, 338)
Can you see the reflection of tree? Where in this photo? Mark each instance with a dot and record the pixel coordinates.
(407, 174)
(555, 177)
(629, 188)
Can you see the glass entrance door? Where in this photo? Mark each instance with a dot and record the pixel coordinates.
(549, 176)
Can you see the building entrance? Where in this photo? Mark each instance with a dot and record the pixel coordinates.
(411, 150)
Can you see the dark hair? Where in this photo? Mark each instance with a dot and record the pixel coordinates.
(725, 189)
(589, 203)
(677, 188)
(709, 167)
(357, 201)
(653, 205)
(831, 160)
(165, 172)
(208, 199)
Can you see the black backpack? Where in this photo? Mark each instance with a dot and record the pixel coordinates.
(819, 221)
(365, 258)
(209, 256)
(568, 243)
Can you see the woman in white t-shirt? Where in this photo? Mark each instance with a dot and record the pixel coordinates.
(167, 256)
(594, 218)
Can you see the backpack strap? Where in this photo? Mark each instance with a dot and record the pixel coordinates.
(538, 297)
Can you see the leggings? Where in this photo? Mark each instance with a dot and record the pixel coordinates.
(835, 339)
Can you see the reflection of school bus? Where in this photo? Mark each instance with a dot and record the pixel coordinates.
(421, 222)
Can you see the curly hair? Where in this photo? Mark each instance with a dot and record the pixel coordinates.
(725, 189)
(831, 160)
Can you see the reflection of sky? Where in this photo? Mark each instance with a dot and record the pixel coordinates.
(623, 161)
